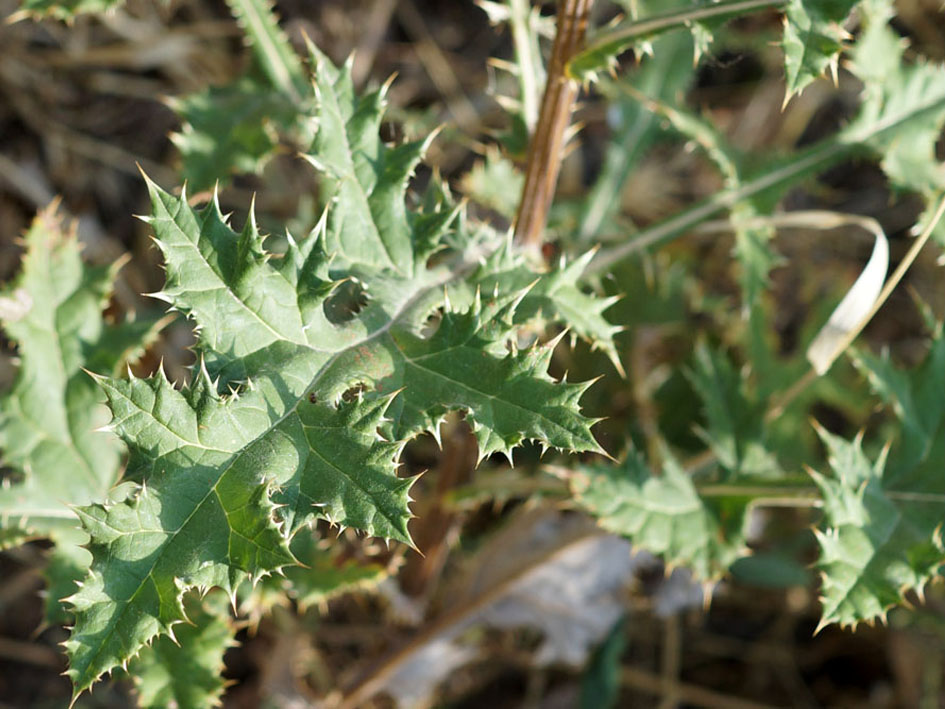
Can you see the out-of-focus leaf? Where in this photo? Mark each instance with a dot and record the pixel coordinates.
(770, 570)
(734, 424)
(494, 183)
(914, 396)
(813, 39)
(664, 514)
(901, 116)
(903, 108)
(321, 575)
(876, 542)
(634, 127)
(65, 9)
(236, 127)
(49, 420)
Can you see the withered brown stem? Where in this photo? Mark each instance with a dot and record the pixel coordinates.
(547, 144)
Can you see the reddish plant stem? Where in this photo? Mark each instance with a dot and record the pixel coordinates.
(547, 144)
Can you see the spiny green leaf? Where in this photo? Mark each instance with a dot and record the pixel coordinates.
(184, 672)
(507, 399)
(345, 470)
(813, 40)
(882, 532)
(556, 297)
(876, 543)
(367, 179)
(305, 392)
(663, 514)
(207, 521)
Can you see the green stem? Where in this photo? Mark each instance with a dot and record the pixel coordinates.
(726, 199)
(602, 48)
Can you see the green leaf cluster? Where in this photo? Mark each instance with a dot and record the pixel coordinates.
(306, 391)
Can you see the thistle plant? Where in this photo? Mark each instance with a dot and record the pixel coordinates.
(321, 356)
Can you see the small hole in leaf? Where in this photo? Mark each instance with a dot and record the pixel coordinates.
(348, 300)
(432, 323)
(354, 392)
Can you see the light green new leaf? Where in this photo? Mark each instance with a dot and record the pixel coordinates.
(186, 674)
(813, 39)
(306, 391)
(664, 514)
(876, 543)
(494, 183)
